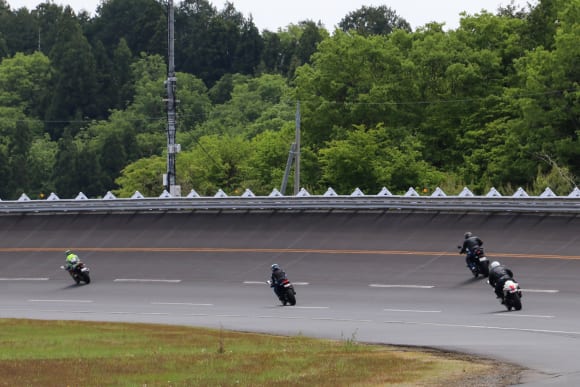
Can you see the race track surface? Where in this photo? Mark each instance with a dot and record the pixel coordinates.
(391, 278)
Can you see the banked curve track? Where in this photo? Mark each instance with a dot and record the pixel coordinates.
(379, 277)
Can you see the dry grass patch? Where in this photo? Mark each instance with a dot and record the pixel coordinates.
(57, 353)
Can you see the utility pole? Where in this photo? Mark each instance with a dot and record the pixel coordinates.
(297, 152)
(169, 180)
(293, 155)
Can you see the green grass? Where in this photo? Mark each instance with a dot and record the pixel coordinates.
(70, 353)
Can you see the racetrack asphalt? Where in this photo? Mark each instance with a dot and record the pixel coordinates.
(381, 277)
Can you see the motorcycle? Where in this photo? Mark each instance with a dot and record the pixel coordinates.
(480, 264)
(80, 272)
(512, 295)
(286, 292)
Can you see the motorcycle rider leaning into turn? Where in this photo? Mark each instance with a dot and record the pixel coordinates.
(278, 275)
(498, 275)
(71, 260)
(470, 244)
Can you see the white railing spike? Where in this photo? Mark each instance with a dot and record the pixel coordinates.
(109, 196)
(302, 193)
(520, 193)
(275, 193)
(52, 196)
(23, 198)
(193, 194)
(548, 193)
(575, 193)
(330, 192)
(465, 192)
(438, 193)
(384, 192)
(248, 193)
(81, 196)
(411, 192)
(220, 194)
(493, 193)
(357, 192)
(165, 195)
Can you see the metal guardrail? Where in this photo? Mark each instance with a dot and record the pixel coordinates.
(549, 205)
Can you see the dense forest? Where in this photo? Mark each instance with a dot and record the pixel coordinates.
(493, 103)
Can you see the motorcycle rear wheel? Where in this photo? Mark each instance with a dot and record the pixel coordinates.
(290, 298)
(514, 302)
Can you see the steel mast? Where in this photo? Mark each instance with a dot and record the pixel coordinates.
(169, 180)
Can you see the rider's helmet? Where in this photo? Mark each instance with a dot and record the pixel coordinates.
(275, 267)
(468, 235)
(494, 264)
(67, 252)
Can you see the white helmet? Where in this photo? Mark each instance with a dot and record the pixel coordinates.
(494, 264)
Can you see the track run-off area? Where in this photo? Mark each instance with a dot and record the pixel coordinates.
(381, 277)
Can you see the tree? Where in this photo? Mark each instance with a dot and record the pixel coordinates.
(367, 21)
(372, 158)
(24, 83)
(18, 31)
(143, 175)
(121, 75)
(66, 172)
(141, 23)
(40, 164)
(355, 80)
(210, 44)
(249, 109)
(217, 162)
(75, 84)
(266, 164)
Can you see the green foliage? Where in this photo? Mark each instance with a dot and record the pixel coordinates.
(24, 82)
(255, 104)
(493, 103)
(216, 162)
(380, 20)
(144, 175)
(370, 159)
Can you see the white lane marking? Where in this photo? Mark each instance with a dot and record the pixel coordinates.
(402, 286)
(141, 313)
(228, 315)
(23, 279)
(198, 314)
(265, 282)
(540, 290)
(145, 280)
(73, 301)
(152, 314)
(338, 319)
(523, 315)
(412, 310)
(180, 303)
(483, 327)
(281, 317)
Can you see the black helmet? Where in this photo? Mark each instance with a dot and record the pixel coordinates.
(275, 267)
(67, 252)
(468, 235)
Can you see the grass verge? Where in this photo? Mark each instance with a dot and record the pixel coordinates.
(74, 353)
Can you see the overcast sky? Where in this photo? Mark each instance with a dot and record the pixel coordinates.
(274, 14)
